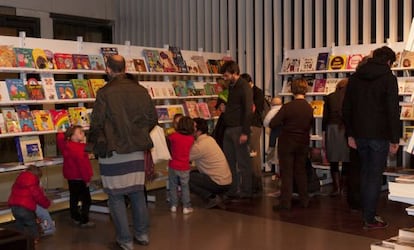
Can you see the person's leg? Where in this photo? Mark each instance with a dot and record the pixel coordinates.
(47, 224)
(256, 159)
(334, 169)
(173, 184)
(354, 180)
(185, 189)
(116, 204)
(299, 174)
(244, 164)
(199, 184)
(229, 144)
(26, 221)
(140, 216)
(86, 200)
(286, 161)
(74, 193)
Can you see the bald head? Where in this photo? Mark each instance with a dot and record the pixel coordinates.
(116, 63)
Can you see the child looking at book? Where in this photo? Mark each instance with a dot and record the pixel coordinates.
(25, 195)
(179, 166)
(77, 169)
(274, 133)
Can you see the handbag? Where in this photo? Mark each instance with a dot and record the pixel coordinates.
(160, 150)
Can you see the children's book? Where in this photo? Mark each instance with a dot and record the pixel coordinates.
(25, 118)
(97, 62)
(191, 108)
(330, 85)
(139, 65)
(203, 110)
(11, 120)
(162, 112)
(213, 66)
(199, 88)
(16, 89)
(24, 57)
(354, 60)
(81, 61)
(29, 149)
(60, 119)
(108, 51)
(209, 88)
(397, 61)
(40, 59)
(201, 63)
(407, 59)
(307, 64)
(175, 109)
(322, 61)
(180, 88)
(190, 88)
(212, 103)
(167, 61)
(178, 59)
(81, 87)
(129, 65)
(35, 89)
(42, 120)
(286, 64)
(337, 62)
(49, 88)
(51, 63)
(64, 61)
(286, 88)
(7, 56)
(319, 86)
(4, 93)
(193, 67)
(95, 85)
(79, 116)
(3, 129)
(153, 60)
(291, 65)
(65, 90)
(409, 85)
(317, 106)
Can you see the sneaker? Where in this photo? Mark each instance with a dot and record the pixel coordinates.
(173, 209)
(142, 240)
(88, 224)
(125, 246)
(375, 225)
(187, 210)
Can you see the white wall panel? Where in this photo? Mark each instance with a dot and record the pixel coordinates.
(232, 28)
(200, 24)
(224, 24)
(277, 45)
(354, 21)
(407, 17)
(366, 34)
(208, 42)
(241, 34)
(288, 27)
(257, 71)
(215, 25)
(380, 22)
(307, 29)
(342, 22)
(393, 9)
(268, 47)
(297, 26)
(330, 27)
(249, 36)
(319, 23)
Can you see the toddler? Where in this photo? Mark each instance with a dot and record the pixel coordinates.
(276, 105)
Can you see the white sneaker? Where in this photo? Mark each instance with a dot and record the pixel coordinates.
(187, 210)
(173, 209)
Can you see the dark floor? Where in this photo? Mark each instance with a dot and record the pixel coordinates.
(327, 224)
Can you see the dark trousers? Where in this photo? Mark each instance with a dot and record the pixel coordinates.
(274, 134)
(238, 157)
(373, 155)
(79, 192)
(292, 161)
(353, 180)
(26, 221)
(203, 186)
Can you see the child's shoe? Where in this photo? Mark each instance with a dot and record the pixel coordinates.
(187, 210)
(88, 224)
(173, 209)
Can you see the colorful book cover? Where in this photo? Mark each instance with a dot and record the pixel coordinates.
(139, 65)
(319, 86)
(409, 85)
(24, 57)
(42, 120)
(307, 64)
(81, 61)
(11, 120)
(201, 63)
(95, 85)
(322, 61)
(397, 61)
(79, 116)
(178, 59)
(199, 89)
(65, 90)
(286, 87)
(49, 87)
(60, 119)
(330, 85)
(97, 62)
(213, 66)
(190, 88)
(212, 103)
(193, 67)
(16, 89)
(4, 93)
(407, 59)
(354, 60)
(191, 108)
(25, 118)
(40, 59)
(209, 88)
(3, 129)
(108, 51)
(162, 113)
(29, 149)
(64, 61)
(175, 109)
(81, 87)
(286, 64)
(35, 89)
(7, 56)
(317, 106)
(406, 112)
(153, 60)
(129, 65)
(51, 63)
(218, 87)
(204, 110)
(180, 88)
(167, 61)
(337, 62)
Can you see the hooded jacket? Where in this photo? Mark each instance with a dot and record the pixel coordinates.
(371, 103)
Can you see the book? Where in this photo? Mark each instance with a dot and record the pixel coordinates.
(406, 112)
(79, 116)
(407, 59)
(204, 111)
(192, 67)
(199, 89)
(180, 88)
(330, 85)
(81, 88)
(129, 65)
(49, 88)
(51, 62)
(408, 85)
(34, 89)
(11, 120)
(319, 86)
(399, 243)
(401, 85)
(42, 120)
(81, 61)
(40, 59)
(96, 62)
(65, 90)
(286, 88)
(139, 65)
(7, 56)
(16, 89)
(175, 109)
(213, 66)
(407, 132)
(191, 108)
(178, 59)
(60, 119)
(167, 61)
(190, 88)
(152, 57)
(322, 61)
(209, 88)
(25, 118)
(353, 61)
(317, 106)
(405, 178)
(201, 64)
(4, 93)
(337, 62)
(307, 64)
(108, 51)
(397, 61)
(64, 61)
(162, 113)
(95, 85)
(24, 57)
(29, 149)
(291, 65)
(212, 103)
(3, 129)
(401, 189)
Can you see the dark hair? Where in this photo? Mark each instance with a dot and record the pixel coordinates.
(247, 77)
(230, 67)
(116, 63)
(185, 126)
(34, 170)
(177, 115)
(201, 125)
(384, 55)
(299, 86)
(71, 130)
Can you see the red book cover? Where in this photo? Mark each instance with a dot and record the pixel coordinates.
(63, 61)
(81, 61)
(35, 89)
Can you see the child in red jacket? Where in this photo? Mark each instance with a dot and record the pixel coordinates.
(25, 195)
(77, 169)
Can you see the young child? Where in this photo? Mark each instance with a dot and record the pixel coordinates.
(274, 133)
(77, 169)
(179, 166)
(25, 195)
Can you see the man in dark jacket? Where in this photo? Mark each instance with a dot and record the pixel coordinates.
(122, 118)
(371, 114)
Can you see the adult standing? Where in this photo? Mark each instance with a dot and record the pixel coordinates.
(371, 113)
(122, 118)
(237, 122)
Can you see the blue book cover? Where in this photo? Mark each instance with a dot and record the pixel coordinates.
(17, 90)
(25, 118)
(322, 61)
(65, 90)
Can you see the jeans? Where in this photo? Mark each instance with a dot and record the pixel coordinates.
(79, 192)
(47, 224)
(202, 185)
(26, 221)
(373, 156)
(182, 177)
(140, 217)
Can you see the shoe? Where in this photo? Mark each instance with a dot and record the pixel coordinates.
(188, 210)
(173, 209)
(125, 246)
(215, 202)
(88, 224)
(375, 225)
(142, 240)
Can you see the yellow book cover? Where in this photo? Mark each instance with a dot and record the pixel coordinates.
(317, 106)
(95, 85)
(337, 62)
(40, 59)
(79, 116)
(42, 120)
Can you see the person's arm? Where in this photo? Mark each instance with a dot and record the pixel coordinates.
(269, 117)
(195, 152)
(347, 109)
(96, 131)
(61, 143)
(392, 102)
(247, 105)
(39, 196)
